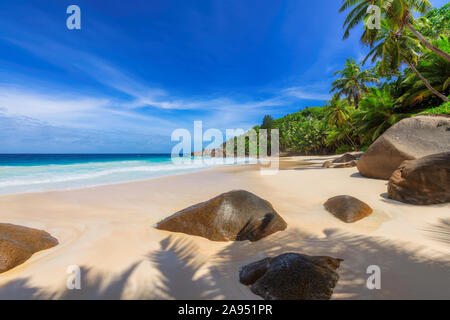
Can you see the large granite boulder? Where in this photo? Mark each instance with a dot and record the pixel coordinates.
(237, 215)
(409, 139)
(17, 244)
(292, 276)
(422, 181)
(347, 208)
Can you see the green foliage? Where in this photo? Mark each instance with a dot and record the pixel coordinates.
(266, 122)
(352, 82)
(442, 109)
(303, 132)
(358, 114)
(396, 13)
(392, 49)
(343, 149)
(434, 68)
(377, 114)
(435, 22)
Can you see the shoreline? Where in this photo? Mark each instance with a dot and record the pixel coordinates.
(281, 159)
(108, 231)
(211, 167)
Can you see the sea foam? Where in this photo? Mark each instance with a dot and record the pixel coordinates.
(34, 178)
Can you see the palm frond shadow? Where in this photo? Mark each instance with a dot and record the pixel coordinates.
(415, 277)
(94, 286)
(178, 265)
(440, 232)
(20, 289)
(185, 273)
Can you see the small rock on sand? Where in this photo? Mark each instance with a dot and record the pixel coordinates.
(347, 208)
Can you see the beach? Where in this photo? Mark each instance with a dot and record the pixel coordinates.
(108, 231)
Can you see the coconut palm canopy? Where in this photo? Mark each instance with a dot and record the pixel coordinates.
(409, 75)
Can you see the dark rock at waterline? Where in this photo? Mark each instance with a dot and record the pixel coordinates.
(349, 164)
(233, 216)
(327, 164)
(347, 208)
(340, 165)
(292, 276)
(423, 181)
(17, 244)
(345, 158)
(409, 139)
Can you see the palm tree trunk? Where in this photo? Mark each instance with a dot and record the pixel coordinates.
(427, 44)
(425, 81)
(356, 99)
(355, 148)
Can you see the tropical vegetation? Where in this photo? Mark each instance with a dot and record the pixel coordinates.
(409, 75)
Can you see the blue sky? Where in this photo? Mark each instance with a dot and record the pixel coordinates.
(137, 70)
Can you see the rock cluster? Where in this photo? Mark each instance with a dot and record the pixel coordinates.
(409, 139)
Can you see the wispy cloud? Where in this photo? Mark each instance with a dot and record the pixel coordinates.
(141, 94)
(132, 112)
(21, 133)
(306, 93)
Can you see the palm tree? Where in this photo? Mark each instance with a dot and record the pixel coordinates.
(433, 68)
(337, 111)
(393, 48)
(377, 114)
(397, 11)
(352, 82)
(338, 114)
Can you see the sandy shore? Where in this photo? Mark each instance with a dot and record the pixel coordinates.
(108, 231)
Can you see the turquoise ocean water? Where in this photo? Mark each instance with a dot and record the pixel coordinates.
(21, 173)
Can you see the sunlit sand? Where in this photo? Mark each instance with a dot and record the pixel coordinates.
(109, 232)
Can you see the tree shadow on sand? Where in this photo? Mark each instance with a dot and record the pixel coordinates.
(94, 286)
(440, 232)
(404, 275)
(183, 272)
(178, 265)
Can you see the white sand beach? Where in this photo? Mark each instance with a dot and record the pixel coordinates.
(109, 232)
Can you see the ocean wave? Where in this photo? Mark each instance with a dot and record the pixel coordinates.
(91, 173)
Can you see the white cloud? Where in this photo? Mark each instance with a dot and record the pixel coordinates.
(50, 107)
(141, 94)
(306, 93)
(139, 109)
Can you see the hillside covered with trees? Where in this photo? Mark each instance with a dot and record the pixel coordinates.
(410, 75)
